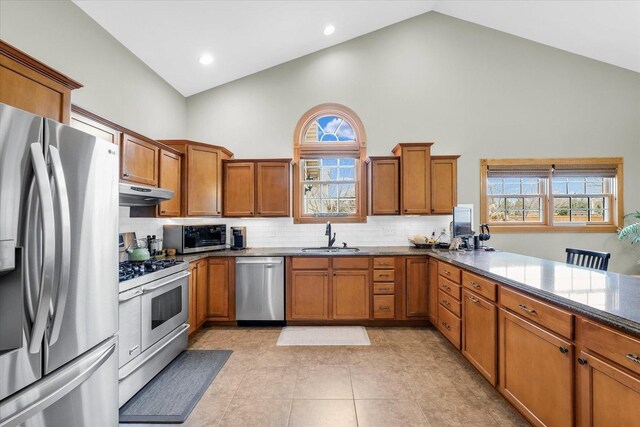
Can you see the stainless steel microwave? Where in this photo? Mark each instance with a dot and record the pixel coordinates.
(188, 239)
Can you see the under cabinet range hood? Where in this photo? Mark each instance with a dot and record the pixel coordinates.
(142, 195)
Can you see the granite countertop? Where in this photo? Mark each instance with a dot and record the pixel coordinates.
(611, 298)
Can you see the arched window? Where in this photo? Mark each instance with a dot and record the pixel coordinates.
(329, 172)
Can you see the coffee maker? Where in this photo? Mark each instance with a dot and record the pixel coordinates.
(238, 238)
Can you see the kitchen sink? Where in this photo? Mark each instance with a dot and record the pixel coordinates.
(331, 250)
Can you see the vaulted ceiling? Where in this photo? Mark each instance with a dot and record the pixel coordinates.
(245, 37)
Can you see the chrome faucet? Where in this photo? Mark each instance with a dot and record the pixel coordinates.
(328, 233)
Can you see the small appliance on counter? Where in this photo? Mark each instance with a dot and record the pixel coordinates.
(188, 239)
(238, 238)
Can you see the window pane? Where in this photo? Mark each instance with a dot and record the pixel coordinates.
(329, 129)
(579, 203)
(576, 187)
(559, 186)
(530, 188)
(346, 190)
(495, 186)
(336, 195)
(329, 173)
(347, 206)
(532, 216)
(595, 185)
(329, 162)
(515, 215)
(596, 203)
(512, 186)
(597, 215)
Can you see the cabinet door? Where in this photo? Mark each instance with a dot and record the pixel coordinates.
(417, 287)
(193, 269)
(203, 181)
(239, 183)
(138, 161)
(170, 175)
(351, 298)
(536, 372)
(201, 292)
(607, 394)
(416, 178)
(273, 189)
(309, 295)
(385, 186)
(218, 305)
(95, 128)
(479, 334)
(444, 185)
(433, 291)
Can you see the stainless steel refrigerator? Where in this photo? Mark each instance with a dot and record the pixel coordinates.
(58, 274)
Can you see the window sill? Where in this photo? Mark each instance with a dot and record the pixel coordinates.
(332, 219)
(497, 228)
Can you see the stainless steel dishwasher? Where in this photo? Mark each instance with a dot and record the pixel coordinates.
(260, 289)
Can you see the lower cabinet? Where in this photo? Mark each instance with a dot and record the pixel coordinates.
(351, 294)
(201, 292)
(536, 372)
(479, 334)
(309, 295)
(219, 281)
(433, 291)
(607, 395)
(192, 297)
(417, 298)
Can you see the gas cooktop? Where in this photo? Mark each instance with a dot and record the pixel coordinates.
(135, 273)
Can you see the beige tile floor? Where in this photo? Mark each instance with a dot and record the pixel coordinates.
(407, 377)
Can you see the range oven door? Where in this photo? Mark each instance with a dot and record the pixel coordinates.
(165, 306)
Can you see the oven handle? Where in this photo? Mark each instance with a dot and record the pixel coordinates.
(258, 262)
(182, 328)
(147, 289)
(137, 293)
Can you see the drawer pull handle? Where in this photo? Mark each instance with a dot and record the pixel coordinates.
(384, 308)
(447, 303)
(633, 358)
(448, 288)
(446, 326)
(475, 285)
(474, 300)
(383, 263)
(133, 350)
(582, 361)
(527, 309)
(563, 350)
(384, 275)
(447, 272)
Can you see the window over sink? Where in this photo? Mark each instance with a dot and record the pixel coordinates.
(329, 154)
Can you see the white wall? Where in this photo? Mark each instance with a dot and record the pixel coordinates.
(472, 90)
(117, 85)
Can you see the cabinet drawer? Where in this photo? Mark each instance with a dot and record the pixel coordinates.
(383, 275)
(387, 262)
(449, 287)
(449, 271)
(309, 263)
(609, 343)
(452, 305)
(449, 325)
(479, 285)
(383, 288)
(351, 263)
(383, 307)
(552, 318)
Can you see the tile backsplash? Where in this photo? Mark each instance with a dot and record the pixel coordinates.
(282, 232)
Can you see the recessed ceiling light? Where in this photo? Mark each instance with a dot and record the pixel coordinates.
(206, 59)
(329, 29)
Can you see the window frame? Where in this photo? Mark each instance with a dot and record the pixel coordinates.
(303, 150)
(547, 225)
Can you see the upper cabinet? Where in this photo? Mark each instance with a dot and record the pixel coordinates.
(415, 177)
(201, 176)
(30, 85)
(444, 184)
(384, 178)
(139, 160)
(100, 128)
(170, 178)
(256, 188)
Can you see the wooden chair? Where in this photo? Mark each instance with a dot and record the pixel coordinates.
(589, 259)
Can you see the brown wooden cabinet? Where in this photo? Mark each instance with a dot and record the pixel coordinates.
(536, 371)
(256, 188)
(138, 160)
(80, 119)
(444, 184)
(201, 176)
(351, 294)
(238, 189)
(310, 295)
(170, 178)
(193, 326)
(415, 177)
(201, 292)
(30, 85)
(384, 185)
(433, 291)
(221, 296)
(479, 334)
(417, 291)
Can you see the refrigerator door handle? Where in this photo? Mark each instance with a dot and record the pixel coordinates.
(35, 399)
(65, 243)
(48, 248)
